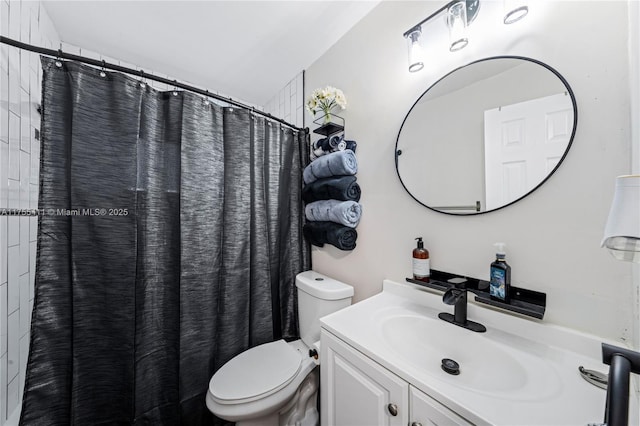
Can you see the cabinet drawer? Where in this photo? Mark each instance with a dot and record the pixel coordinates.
(426, 411)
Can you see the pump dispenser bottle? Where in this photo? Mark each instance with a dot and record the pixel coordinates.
(421, 269)
(500, 276)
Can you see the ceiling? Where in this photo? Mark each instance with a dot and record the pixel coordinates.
(246, 50)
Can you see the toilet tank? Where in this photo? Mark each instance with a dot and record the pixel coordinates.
(318, 295)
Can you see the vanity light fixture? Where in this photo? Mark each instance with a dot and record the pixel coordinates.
(460, 13)
(415, 49)
(515, 10)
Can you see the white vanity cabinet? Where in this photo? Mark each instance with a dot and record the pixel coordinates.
(355, 390)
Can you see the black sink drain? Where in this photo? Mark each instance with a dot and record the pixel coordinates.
(450, 366)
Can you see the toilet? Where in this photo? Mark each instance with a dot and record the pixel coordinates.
(277, 383)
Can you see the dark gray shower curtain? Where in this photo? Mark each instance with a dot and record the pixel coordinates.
(185, 255)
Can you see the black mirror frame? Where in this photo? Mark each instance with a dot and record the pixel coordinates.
(398, 152)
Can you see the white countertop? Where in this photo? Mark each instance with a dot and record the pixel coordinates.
(543, 386)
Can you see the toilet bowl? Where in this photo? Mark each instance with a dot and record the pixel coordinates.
(259, 382)
(276, 383)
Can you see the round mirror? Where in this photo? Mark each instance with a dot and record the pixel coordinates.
(486, 135)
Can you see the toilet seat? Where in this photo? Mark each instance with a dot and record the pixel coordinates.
(255, 373)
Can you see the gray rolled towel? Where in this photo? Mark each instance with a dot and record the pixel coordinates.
(346, 213)
(343, 188)
(339, 163)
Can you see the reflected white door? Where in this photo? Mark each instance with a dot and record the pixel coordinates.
(523, 143)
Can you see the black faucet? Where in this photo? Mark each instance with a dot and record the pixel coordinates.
(458, 298)
(623, 362)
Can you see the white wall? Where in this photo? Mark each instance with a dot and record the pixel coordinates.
(20, 88)
(553, 235)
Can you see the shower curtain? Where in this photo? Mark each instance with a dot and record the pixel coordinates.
(169, 241)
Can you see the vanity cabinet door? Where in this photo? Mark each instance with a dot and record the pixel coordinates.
(426, 411)
(355, 390)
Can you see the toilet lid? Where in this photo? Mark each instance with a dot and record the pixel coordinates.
(256, 373)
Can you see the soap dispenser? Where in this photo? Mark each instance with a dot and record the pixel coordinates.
(421, 269)
(500, 276)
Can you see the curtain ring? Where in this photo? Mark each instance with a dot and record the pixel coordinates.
(142, 83)
(59, 59)
(206, 99)
(175, 88)
(102, 73)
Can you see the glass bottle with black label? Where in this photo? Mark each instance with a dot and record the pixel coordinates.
(500, 276)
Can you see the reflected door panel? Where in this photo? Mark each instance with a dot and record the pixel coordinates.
(523, 143)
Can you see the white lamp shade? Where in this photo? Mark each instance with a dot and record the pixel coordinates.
(622, 232)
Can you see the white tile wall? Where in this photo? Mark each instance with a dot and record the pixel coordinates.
(3, 251)
(4, 314)
(20, 80)
(13, 393)
(3, 385)
(288, 103)
(13, 345)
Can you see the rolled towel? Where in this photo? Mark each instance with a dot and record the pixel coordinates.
(344, 188)
(335, 143)
(329, 144)
(350, 145)
(335, 164)
(320, 143)
(321, 233)
(346, 213)
(317, 153)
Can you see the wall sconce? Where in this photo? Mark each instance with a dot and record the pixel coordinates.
(622, 238)
(515, 10)
(460, 14)
(415, 49)
(622, 232)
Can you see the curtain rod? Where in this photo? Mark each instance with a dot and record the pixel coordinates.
(140, 73)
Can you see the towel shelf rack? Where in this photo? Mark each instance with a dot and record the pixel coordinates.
(329, 128)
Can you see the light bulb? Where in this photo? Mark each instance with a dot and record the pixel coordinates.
(416, 62)
(457, 22)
